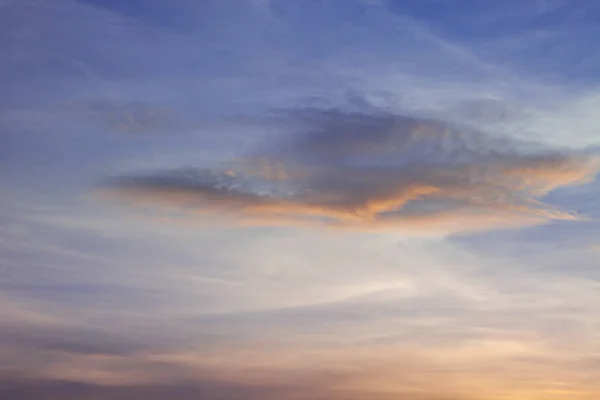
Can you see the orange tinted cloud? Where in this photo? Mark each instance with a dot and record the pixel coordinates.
(369, 178)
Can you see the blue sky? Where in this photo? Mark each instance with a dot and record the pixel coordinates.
(276, 199)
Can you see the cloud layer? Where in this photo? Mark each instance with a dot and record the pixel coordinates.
(391, 117)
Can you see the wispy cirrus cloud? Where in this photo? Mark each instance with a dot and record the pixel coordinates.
(262, 313)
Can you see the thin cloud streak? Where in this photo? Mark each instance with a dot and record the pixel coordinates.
(482, 369)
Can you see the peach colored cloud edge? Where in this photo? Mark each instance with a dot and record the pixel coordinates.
(499, 194)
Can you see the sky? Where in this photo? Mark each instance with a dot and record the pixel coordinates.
(299, 200)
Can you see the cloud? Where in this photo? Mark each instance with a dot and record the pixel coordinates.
(469, 371)
(210, 390)
(276, 313)
(424, 324)
(375, 171)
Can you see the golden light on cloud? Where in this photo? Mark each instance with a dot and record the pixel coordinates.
(372, 172)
